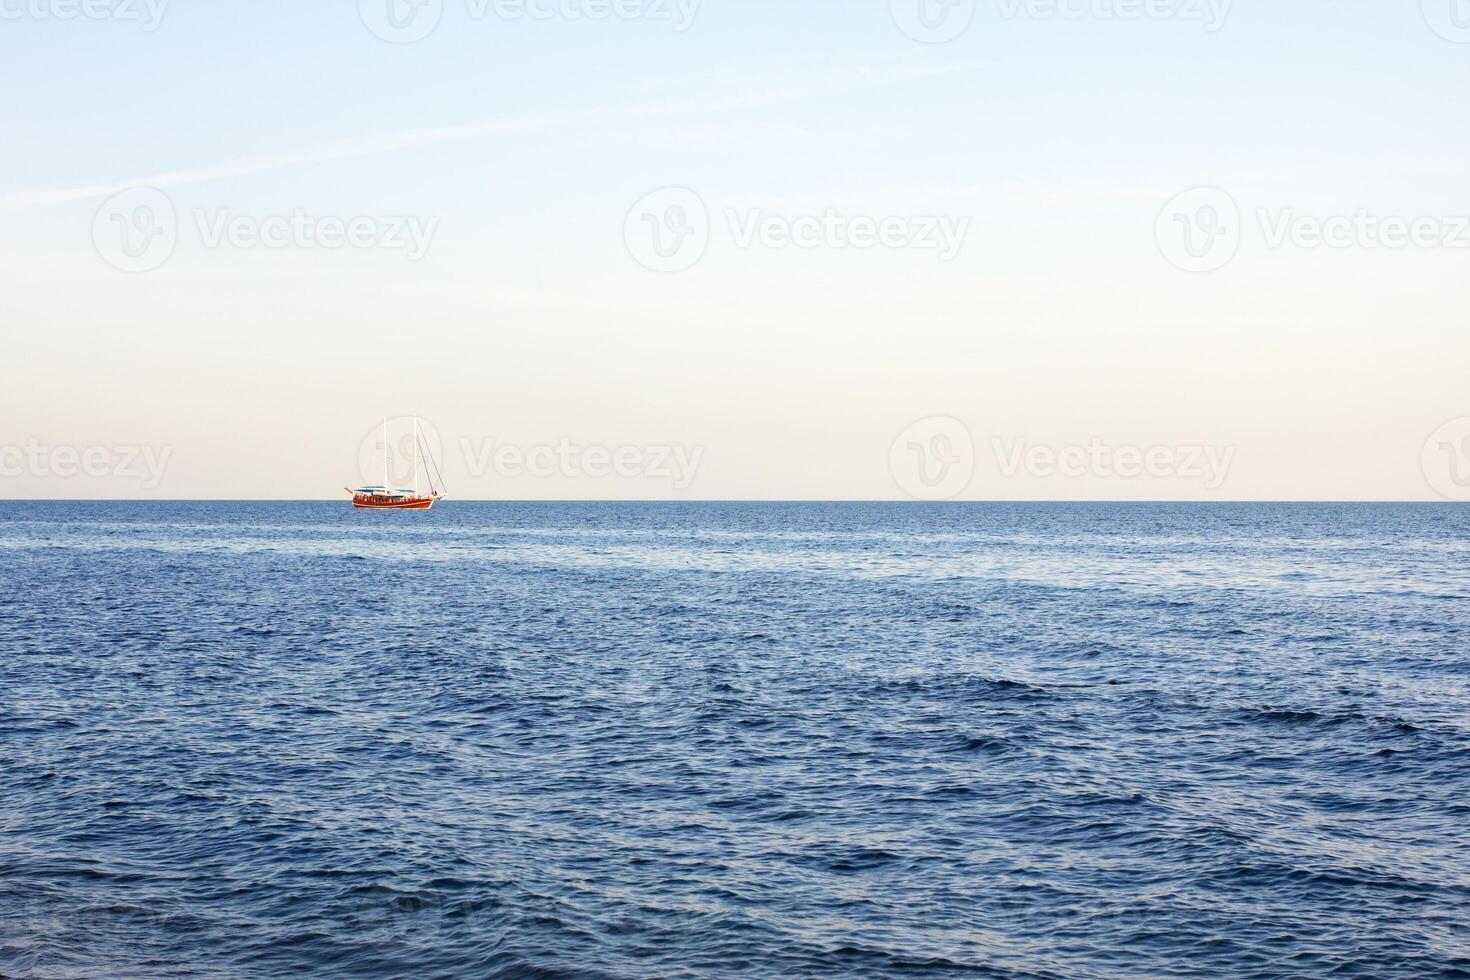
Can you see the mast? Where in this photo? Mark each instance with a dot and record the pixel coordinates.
(415, 455)
(386, 486)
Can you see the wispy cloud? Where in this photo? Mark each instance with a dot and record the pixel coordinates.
(787, 83)
(324, 152)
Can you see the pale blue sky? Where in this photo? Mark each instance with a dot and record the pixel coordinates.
(528, 322)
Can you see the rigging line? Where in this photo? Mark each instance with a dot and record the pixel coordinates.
(432, 462)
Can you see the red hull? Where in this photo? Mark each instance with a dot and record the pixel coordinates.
(362, 502)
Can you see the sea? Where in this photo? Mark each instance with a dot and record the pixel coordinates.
(734, 740)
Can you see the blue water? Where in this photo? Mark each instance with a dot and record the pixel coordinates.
(251, 740)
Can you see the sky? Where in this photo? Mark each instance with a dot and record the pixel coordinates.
(737, 249)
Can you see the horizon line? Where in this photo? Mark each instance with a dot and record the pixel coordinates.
(717, 500)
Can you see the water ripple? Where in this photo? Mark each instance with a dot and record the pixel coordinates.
(733, 740)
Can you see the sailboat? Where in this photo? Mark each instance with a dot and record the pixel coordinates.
(386, 497)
